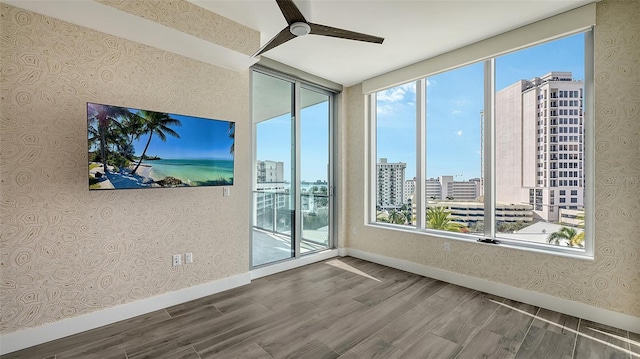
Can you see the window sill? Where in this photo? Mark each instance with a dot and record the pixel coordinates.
(541, 248)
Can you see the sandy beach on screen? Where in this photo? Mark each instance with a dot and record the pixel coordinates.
(111, 179)
(145, 171)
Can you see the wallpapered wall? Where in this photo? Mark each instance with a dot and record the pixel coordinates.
(66, 251)
(612, 281)
(194, 20)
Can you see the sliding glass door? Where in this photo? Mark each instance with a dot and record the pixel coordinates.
(274, 183)
(292, 178)
(314, 169)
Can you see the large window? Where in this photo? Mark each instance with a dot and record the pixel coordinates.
(495, 150)
(453, 160)
(396, 157)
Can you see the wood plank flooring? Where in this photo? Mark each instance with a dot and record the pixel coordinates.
(346, 308)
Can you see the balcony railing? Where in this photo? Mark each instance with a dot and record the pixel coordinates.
(274, 213)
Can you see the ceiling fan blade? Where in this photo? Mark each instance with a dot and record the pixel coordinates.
(282, 37)
(324, 30)
(290, 11)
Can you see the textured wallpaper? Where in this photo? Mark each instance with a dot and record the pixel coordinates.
(194, 20)
(66, 251)
(612, 281)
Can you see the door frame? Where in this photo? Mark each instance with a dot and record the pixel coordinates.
(298, 85)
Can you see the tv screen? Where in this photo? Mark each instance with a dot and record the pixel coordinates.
(132, 148)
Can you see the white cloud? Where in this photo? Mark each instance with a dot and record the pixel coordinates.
(384, 109)
(396, 94)
(460, 133)
(456, 112)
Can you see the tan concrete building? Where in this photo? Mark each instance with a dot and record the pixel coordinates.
(539, 153)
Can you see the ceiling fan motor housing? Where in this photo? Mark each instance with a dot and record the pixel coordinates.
(300, 28)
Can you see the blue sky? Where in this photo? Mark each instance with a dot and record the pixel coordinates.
(199, 139)
(454, 102)
(274, 142)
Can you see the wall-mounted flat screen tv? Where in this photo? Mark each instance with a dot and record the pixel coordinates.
(131, 148)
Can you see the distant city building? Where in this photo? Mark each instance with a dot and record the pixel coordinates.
(270, 171)
(469, 213)
(390, 184)
(445, 187)
(409, 188)
(539, 152)
(458, 190)
(433, 188)
(572, 217)
(272, 193)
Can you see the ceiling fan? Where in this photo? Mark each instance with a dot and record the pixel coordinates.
(299, 26)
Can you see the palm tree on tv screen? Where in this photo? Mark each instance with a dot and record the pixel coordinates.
(133, 128)
(158, 123)
(232, 135)
(106, 117)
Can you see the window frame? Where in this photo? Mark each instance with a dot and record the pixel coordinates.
(489, 159)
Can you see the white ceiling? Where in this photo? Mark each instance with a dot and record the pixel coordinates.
(413, 30)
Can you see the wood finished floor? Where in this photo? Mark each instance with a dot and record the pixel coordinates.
(346, 308)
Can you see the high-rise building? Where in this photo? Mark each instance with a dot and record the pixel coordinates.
(390, 184)
(270, 171)
(539, 149)
(458, 190)
(272, 193)
(409, 188)
(433, 188)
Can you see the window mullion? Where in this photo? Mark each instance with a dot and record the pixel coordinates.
(370, 102)
(489, 149)
(296, 160)
(419, 196)
(589, 140)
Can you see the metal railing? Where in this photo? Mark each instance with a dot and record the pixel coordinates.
(274, 212)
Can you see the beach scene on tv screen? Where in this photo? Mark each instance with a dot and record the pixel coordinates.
(131, 148)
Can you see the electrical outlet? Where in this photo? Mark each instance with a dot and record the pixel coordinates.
(177, 260)
(447, 247)
(188, 258)
(225, 191)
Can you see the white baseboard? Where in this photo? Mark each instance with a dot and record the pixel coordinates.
(576, 309)
(33, 336)
(291, 264)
